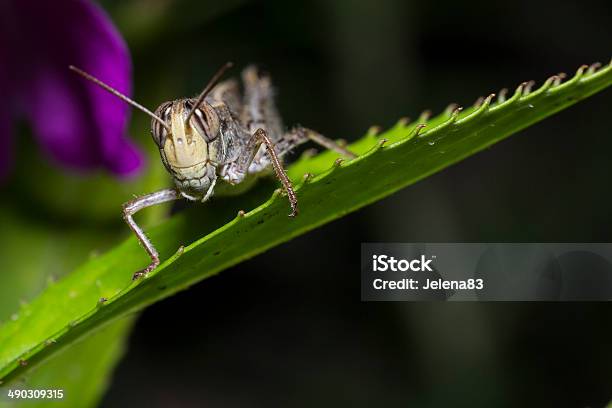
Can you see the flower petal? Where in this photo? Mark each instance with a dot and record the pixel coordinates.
(78, 123)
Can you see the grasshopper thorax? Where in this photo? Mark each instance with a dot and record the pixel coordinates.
(190, 145)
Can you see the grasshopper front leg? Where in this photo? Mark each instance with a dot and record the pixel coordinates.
(132, 207)
(236, 171)
(259, 137)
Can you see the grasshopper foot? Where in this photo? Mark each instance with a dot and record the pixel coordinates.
(145, 271)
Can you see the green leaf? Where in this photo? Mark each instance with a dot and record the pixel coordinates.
(81, 371)
(44, 235)
(71, 308)
(34, 250)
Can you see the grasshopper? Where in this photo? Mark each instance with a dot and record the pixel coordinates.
(219, 136)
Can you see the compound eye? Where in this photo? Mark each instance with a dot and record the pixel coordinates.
(158, 130)
(205, 122)
(200, 122)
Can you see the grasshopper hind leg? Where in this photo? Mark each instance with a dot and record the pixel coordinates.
(259, 109)
(299, 135)
(259, 112)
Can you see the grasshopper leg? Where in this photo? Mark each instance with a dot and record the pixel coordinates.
(132, 207)
(260, 136)
(236, 171)
(300, 135)
(324, 141)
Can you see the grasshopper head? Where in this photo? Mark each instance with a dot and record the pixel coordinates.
(187, 137)
(188, 144)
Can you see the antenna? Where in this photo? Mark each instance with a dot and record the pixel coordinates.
(119, 95)
(213, 81)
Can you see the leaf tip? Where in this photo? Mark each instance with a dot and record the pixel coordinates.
(560, 77)
(403, 121)
(485, 103)
(580, 71)
(549, 83)
(518, 92)
(418, 128)
(425, 115)
(448, 111)
(374, 130)
(527, 87)
(593, 68)
(455, 113)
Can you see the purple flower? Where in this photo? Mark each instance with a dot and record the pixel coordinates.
(76, 123)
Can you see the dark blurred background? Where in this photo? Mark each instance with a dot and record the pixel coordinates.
(287, 328)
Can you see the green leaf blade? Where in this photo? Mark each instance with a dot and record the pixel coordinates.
(71, 308)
